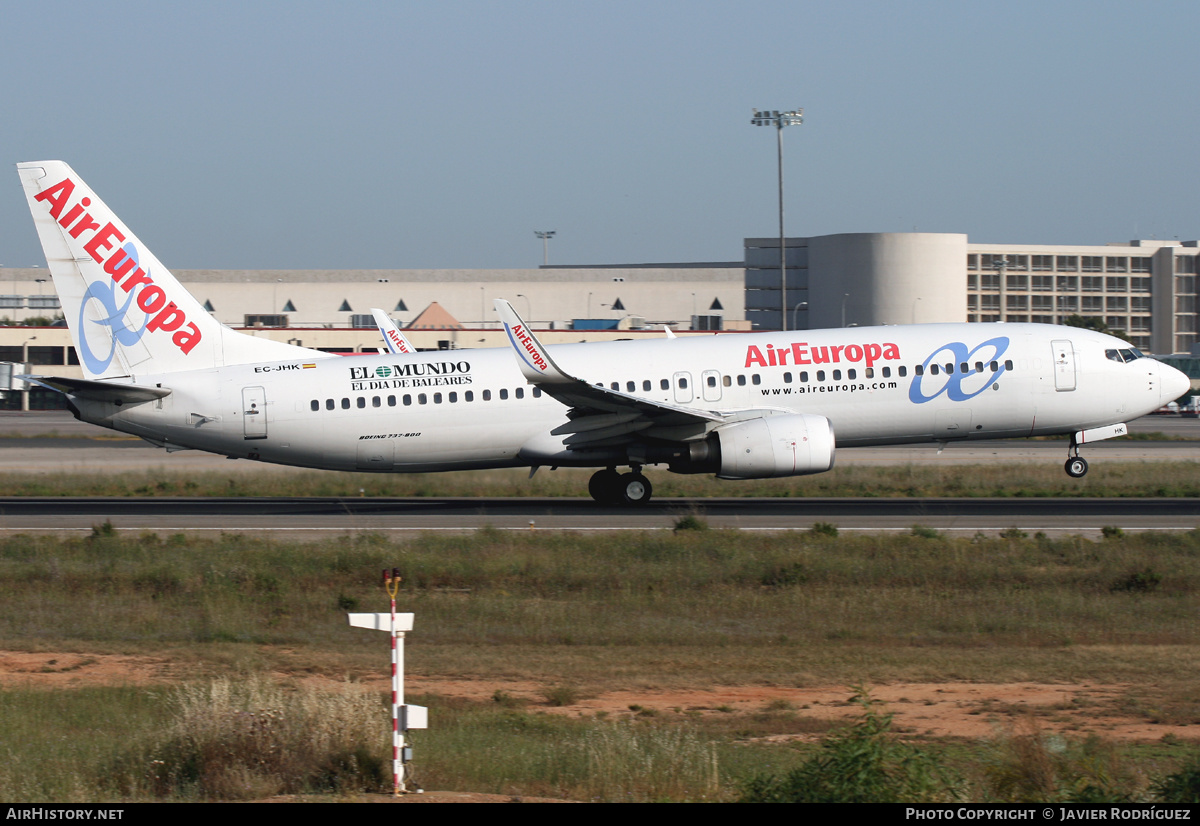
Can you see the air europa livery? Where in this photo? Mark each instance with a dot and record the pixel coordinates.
(740, 406)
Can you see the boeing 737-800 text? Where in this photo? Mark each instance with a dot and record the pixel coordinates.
(741, 406)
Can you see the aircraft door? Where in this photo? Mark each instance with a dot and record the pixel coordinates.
(710, 383)
(683, 387)
(1064, 365)
(254, 413)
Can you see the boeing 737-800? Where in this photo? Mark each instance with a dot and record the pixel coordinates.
(740, 406)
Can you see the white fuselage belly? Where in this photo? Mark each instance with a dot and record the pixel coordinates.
(397, 413)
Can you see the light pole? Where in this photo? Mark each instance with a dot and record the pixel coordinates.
(795, 310)
(545, 235)
(774, 117)
(528, 308)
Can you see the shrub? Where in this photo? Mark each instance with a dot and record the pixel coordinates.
(250, 739)
(1138, 582)
(823, 529)
(859, 764)
(1181, 787)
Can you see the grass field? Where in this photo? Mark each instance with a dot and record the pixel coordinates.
(1108, 478)
(579, 615)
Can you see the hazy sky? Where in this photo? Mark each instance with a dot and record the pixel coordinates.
(442, 134)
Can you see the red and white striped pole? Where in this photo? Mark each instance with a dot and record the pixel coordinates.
(404, 717)
(391, 582)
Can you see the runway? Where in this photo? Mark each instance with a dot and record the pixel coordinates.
(320, 516)
(57, 443)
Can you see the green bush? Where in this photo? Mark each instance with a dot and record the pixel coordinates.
(859, 764)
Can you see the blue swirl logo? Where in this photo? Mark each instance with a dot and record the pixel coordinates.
(112, 317)
(959, 386)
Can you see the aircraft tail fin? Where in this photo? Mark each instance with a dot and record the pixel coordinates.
(127, 313)
(396, 341)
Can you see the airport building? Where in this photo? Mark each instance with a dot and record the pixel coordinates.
(1146, 289)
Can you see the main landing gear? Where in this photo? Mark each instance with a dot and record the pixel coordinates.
(611, 488)
(1076, 465)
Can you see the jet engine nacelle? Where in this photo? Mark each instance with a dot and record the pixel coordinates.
(788, 445)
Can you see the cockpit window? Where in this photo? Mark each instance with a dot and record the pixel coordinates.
(1124, 355)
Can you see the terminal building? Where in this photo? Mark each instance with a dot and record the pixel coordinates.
(1145, 289)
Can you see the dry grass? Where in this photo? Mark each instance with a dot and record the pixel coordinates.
(1126, 479)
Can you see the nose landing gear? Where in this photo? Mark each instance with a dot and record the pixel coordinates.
(1076, 466)
(611, 488)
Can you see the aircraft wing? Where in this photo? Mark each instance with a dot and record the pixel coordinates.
(598, 416)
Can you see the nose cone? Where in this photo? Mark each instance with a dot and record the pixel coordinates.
(1174, 383)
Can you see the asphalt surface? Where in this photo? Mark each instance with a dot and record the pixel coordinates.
(318, 515)
(77, 447)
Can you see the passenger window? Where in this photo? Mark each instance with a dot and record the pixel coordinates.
(520, 392)
(316, 405)
(362, 402)
(453, 398)
(487, 395)
(504, 394)
(964, 367)
(869, 372)
(901, 371)
(469, 396)
(995, 366)
(787, 378)
(887, 372)
(852, 374)
(329, 404)
(979, 367)
(950, 369)
(407, 400)
(682, 383)
(804, 376)
(437, 398)
(1008, 364)
(616, 385)
(820, 375)
(391, 401)
(537, 392)
(712, 381)
(756, 379)
(630, 387)
(646, 385)
(727, 380)
(837, 375)
(422, 398)
(741, 381)
(376, 401)
(664, 384)
(345, 404)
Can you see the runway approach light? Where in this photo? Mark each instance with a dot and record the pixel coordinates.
(405, 717)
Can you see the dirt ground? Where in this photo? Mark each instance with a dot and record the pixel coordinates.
(952, 709)
(936, 710)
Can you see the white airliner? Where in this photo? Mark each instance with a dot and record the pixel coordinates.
(741, 406)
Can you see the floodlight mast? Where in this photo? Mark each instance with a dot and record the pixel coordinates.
(545, 235)
(773, 117)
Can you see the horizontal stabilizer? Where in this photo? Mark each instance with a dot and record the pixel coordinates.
(100, 391)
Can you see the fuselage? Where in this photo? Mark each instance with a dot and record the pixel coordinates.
(464, 409)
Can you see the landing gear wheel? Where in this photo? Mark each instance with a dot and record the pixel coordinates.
(1076, 467)
(605, 486)
(635, 489)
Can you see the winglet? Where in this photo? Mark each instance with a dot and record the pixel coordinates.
(535, 363)
(395, 340)
(668, 331)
